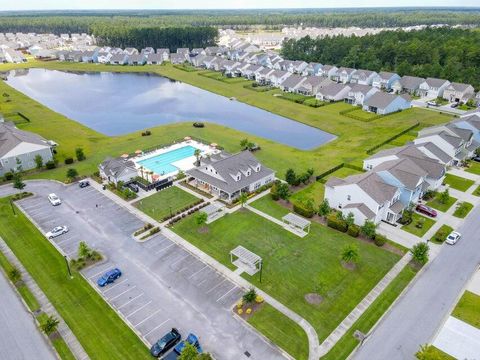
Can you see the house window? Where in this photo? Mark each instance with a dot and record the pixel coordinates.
(349, 197)
(238, 177)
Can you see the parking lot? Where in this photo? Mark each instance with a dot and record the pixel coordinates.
(162, 285)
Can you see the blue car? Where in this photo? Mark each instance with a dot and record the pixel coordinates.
(192, 339)
(109, 277)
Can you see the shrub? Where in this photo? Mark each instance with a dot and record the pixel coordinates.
(50, 325)
(369, 229)
(380, 240)
(38, 161)
(146, 133)
(8, 176)
(440, 235)
(407, 217)
(429, 195)
(353, 230)
(72, 173)
(50, 165)
(68, 161)
(80, 154)
(14, 275)
(250, 296)
(303, 210)
(324, 208)
(420, 253)
(337, 224)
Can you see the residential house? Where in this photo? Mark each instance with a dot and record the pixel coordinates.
(115, 170)
(297, 67)
(104, 57)
(165, 53)
(130, 51)
(154, 59)
(363, 77)
(407, 84)
(184, 51)
(227, 176)
(250, 71)
(277, 77)
(470, 122)
(384, 80)
(432, 88)
(291, 83)
(147, 50)
(458, 92)
(313, 69)
(90, 57)
(359, 93)
(382, 103)
(343, 75)
(312, 84)
(434, 152)
(366, 196)
(137, 59)
(333, 92)
(13, 56)
(119, 59)
(19, 148)
(263, 76)
(177, 58)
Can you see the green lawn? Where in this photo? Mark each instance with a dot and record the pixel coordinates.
(437, 204)
(462, 210)
(354, 137)
(474, 168)
(58, 343)
(293, 266)
(267, 205)
(369, 318)
(98, 328)
(437, 354)
(362, 115)
(459, 183)
(441, 234)
(159, 204)
(477, 191)
(282, 331)
(468, 309)
(412, 227)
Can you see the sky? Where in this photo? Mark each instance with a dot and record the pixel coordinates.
(216, 4)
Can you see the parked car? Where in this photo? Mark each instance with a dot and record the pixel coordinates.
(453, 238)
(432, 103)
(165, 343)
(84, 183)
(476, 158)
(172, 355)
(54, 199)
(454, 105)
(424, 209)
(192, 339)
(133, 187)
(57, 231)
(109, 277)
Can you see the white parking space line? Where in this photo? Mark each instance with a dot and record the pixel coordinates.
(156, 327)
(148, 317)
(129, 301)
(66, 240)
(96, 274)
(228, 292)
(177, 261)
(220, 283)
(115, 285)
(165, 248)
(198, 271)
(116, 296)
(201, 282)
(137, 310)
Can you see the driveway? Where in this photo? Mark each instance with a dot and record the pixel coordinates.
(459, 339)
(162, 285)
(420, 312)
(19, 336)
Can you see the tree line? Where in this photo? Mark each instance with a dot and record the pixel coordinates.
(447, 53)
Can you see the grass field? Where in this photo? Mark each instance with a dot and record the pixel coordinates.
(458, 182)
(416, 219)
(98, 328)
(462, 210)
(477, 191)
(293, 266)
(442, 233)
(369, 318)
(474, 168)
(362, 115)
(161, 203)
(468, 309)
(282, 331)
(354, 137)
(437, 204)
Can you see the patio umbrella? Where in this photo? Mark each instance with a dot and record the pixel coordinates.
(138, 152)
(187, 138)
(124, 156)
(213, 144)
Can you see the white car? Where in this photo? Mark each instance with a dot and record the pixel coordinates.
(453, 238)
(432, 103)
(54, 199)
(57, 231)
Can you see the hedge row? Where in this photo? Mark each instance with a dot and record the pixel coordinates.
(329, 171)
(189, 212)
(302, 210)
(372, 149)
(186, 208)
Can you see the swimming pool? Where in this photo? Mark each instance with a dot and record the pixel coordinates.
(161, 164)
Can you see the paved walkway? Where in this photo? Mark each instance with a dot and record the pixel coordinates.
(45, 305)
(355, 314)
(459, 339)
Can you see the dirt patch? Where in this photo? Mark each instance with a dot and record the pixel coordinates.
(203, 230)
(349, 266)
(313, 298)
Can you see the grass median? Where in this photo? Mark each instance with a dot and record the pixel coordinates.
(99, 329)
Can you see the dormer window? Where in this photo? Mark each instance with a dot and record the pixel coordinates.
(349, 197)
(238, 178)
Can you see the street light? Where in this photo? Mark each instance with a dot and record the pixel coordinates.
(68, 267)
(13, 207)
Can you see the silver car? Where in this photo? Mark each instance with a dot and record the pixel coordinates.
(453, 238)
(54, 199)
(57, 231)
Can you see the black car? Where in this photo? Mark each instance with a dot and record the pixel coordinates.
(476, 158)
(167, 342)
(133, 187)
(83, 183)
(454, 105)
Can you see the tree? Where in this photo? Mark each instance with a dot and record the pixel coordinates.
(420, 252)
(350, 254)
(350, 219)
(50, 325)
(250, 296)
(444, 196)
(324, 208)
(189, 352)
(83, 250)
(243, 198)
(283, 191)
(290, 177)
(197, 156)
(15, 275)
(369, 229)
(204, 356)
(80, 154)
(38, 161)
(19, 165)
(17, 181)
(244, 143)
(201, 218)
(72, 173)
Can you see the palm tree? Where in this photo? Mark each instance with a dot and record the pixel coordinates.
(243, 199)
(50, 325)
(197, 156)
(141, 171)
(350, 254)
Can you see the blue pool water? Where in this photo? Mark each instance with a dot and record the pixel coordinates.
(162, 164)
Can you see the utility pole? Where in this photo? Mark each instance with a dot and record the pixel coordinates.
(68, 267)
(13, 207)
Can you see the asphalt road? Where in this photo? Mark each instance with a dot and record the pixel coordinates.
(162, 285)
(20, 338)
(421, 311)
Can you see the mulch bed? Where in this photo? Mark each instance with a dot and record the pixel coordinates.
(254, 306)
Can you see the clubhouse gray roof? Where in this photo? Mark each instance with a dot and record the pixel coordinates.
(115, 166)
(11, 137)
(226, 166)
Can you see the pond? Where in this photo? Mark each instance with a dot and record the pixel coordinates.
(120, 103)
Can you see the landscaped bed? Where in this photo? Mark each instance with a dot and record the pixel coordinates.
(295, 267)
(414, 227)
(457, 182)
(462, 210)
(441, 234)
(164, 202)
(477, 191)
(468, 309)
(436, 203)
(474, 168)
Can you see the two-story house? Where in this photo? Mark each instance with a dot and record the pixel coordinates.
(432, 88)
(384, 80)
(363, 77)
(458, 92)
(407, 84)
(359, 93)
(343, 75)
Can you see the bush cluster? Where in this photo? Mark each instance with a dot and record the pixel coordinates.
(335, 223)
(188, 207)
(303, 210)
(146, 133)
(50, 165)
(145, 227)
(21, 195)
(153, 231)
(68, 161)
(175, 219)
(380, 240)
(353, 230)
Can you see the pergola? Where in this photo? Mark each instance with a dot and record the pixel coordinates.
(297, 221)
(243, 258)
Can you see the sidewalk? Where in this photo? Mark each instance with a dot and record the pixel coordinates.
(287, 227)
(45, 305)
